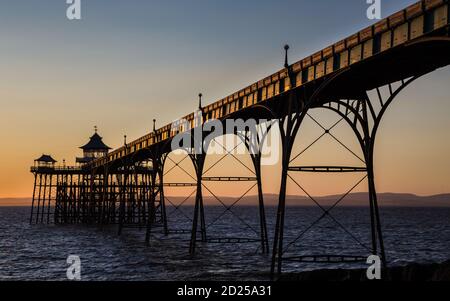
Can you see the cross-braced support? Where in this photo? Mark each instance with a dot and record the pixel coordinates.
(44, 194)
(288, 126)
(199, 211)
(364, 117)
(254, 141)
(177, 206)
(201, 178)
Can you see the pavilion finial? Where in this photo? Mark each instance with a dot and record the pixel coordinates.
(125, 140)
(286, 63)
(95, 129)
(154, 125)
(200, 101)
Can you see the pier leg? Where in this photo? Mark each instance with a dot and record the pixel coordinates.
(368, 146)
(262, 213)
(199, 161)
(39, 199)
(151, 205)
(44, 196)
(33, 199)
(50, 189)
(279, 226)
(123, 199)
(254, 143)
(156, 206)
(162, 201)
(289, 127)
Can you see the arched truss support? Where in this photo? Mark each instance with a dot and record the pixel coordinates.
(177, 206)
(364, 119)
(289, 125)
(198, 161)
(252, 144)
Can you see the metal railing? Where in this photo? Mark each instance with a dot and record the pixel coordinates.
(56, 168)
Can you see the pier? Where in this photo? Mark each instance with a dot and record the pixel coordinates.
(125, 186)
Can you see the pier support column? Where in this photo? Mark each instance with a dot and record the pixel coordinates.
(123, 195)
(103, 219)
(39, 198)
(151, 207)
(288, 125)
(199, 211)
(33, 199)
(156, 206)
(162, 200)
(262, 213)
(254, 141)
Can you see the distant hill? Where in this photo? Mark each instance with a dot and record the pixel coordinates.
(361, 199)
(354, 199)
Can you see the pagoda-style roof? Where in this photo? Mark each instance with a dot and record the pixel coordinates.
(46, 159)
(95, 143)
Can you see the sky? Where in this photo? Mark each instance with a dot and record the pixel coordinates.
(127, 62)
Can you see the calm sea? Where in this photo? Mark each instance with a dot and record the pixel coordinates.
(39, 252)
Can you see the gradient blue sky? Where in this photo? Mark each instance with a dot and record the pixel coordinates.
(127, 62)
